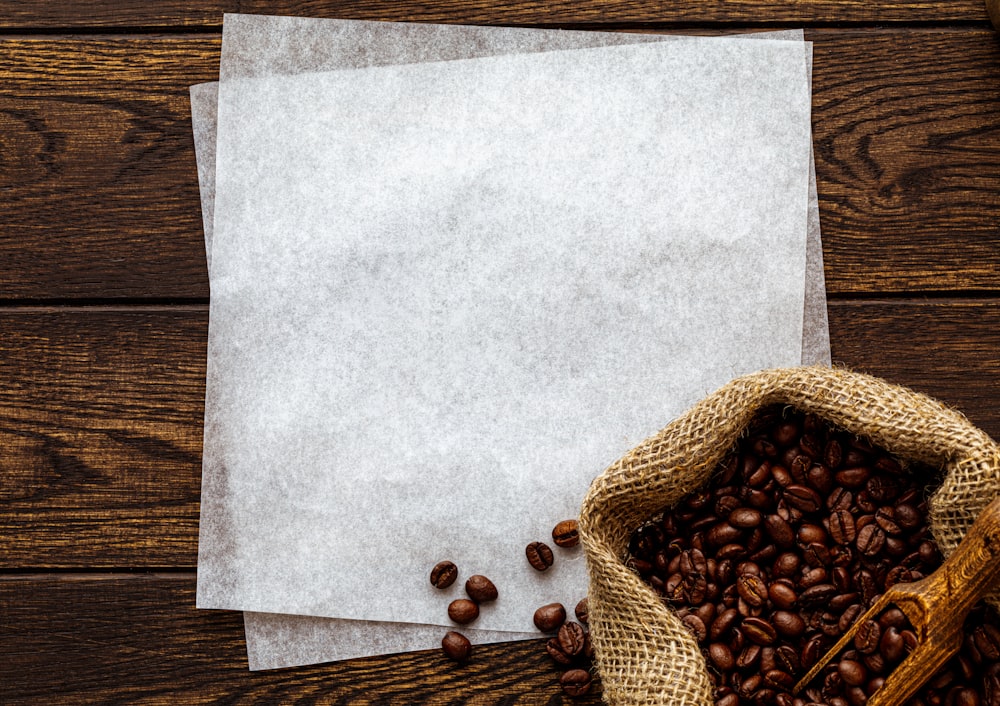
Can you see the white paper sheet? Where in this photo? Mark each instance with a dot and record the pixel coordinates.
(267, 595)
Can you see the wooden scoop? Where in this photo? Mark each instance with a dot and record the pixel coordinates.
(936, 607)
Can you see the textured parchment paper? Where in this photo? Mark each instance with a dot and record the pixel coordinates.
(315, 644)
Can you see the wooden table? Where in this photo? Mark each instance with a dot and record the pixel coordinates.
(104, 296)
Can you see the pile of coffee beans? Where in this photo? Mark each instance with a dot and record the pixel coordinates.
(570, 646)
(801, 530)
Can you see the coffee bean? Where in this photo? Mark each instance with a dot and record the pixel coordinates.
(759, 631)
(443, 575)
(788, 624)
(817, 595)
(803, 498)
(850, 614)
(721, 656)
(582, 611)
(745, 518)
(480, 589)
(549, 617)
(885, 517)
(870, 540)
(779, 679)
(752, 589)
(787, 565)
(853, 478)
(456, 646)
(842, 528)
(782, 594)
(697, 627)
(907, 516)
(749, 657)
(891, 645)
(575, 682)
(810, 534)
(867, 637)
(723, 533)
(814, 648)
(571, 638)
(726, 621)
(463, 611)
(566, 534)
(728, 700)
(987, 639)
(820, 478)
(556, 652)
(780, 531)
(540, 556)
(882, 488)
(839, 499)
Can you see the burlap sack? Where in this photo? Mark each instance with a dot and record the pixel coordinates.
(643, 653)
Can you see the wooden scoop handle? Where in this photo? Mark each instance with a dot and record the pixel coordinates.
(966, 576)
(936, 606)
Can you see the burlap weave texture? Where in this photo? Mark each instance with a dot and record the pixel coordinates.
(643, 652)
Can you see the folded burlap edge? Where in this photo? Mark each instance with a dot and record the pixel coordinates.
(643, 653)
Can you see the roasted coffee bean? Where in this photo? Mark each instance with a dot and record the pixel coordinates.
(814, 577)
(566, 534)
(443, 575)
(885, 517)
(842, 529)
(782, 594)
(721, 656)
(541, 558)
(814, 648)
(817, 595)
(870, 540)
(463, 611)
(779, 679)
(550, 617)
(575, 682)
(480, 589)
(787, 565)
(803, 498)
(696, 625)
(987, 639)
(752, 589)
(852, 478)
(456, 646)
(780, 531)
(732, 699)
(820, 478)
(782, 476)
(749, 657)
(891, 645)
(726, 621)
(850, 614)
(556, 652)
(882, 488)
(582, 611)
(867, 637)
(571, 637)
(907, 516)
(788, 624)
(759, 631)
(745, 518)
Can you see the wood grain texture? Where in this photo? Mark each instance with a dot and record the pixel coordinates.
(101, 200)
(31, 14)
(101, 417)
(139, 639)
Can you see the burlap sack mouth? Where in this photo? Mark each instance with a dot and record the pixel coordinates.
(642, 651)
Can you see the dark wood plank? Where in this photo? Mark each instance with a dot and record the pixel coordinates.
(101, 195)
(98, 169)
(124, 640)
(101, 417)
(100, 430)
(31, 14)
